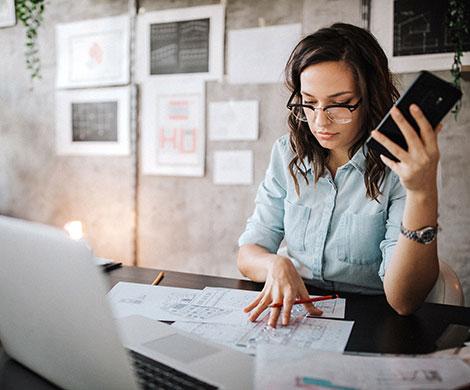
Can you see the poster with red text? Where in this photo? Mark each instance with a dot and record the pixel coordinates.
(173, 131)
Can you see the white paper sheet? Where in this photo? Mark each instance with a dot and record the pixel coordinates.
(233, 120)
(333, 308)
(155, 302)
(228, 297)
(302, 332)
(173, 304)
(225, 297)
(259, 55)
(232, 167)
(279, 367)
(211, 305)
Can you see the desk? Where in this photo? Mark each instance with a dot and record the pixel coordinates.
(377, 328)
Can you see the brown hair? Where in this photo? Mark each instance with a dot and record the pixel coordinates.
(362, 53)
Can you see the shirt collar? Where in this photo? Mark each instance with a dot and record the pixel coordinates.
(358, 161)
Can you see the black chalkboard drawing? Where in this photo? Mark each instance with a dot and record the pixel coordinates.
(415, 34)
(181, 42)
(179, 47)
(421, 27)
(94, 122)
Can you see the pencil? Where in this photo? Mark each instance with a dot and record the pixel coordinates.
(309, 300)
(158, 279)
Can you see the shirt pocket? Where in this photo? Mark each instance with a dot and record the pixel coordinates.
(360, 237)
(296, 219)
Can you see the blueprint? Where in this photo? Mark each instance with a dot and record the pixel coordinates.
(238, 299)
(302, 332)
(180, 304)
(211, 305)
(155, 302)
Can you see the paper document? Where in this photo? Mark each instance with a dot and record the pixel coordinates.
(233, 120)
(279, 367)
(155, 302)
(180, 304)
(333, 308)
(302, 332)
(233, 298)
(232, 167)
(258, 55)
(213, 304)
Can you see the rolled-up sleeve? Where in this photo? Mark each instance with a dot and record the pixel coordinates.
(266, 226)
(396, 206)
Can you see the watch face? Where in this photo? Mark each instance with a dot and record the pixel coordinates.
(428, 234)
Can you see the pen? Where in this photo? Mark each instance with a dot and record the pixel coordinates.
(111, 266)
(158, 279)
(309, 300)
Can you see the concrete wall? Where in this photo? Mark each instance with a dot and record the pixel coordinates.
(185, 224)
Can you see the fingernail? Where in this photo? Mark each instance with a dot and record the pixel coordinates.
(414, 107)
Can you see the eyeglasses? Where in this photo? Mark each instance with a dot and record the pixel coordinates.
(337, 113)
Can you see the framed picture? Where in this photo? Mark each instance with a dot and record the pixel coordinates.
(93, 121)
(414, 34)
(184, 41)
(173, 132)
(93, 53)
(7, 13)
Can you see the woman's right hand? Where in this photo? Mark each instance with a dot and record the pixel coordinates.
(283, 286)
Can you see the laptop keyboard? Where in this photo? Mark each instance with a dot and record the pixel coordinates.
(155, 375)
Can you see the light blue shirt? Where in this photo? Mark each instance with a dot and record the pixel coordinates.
(337, 237)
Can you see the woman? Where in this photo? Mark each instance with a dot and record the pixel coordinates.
(340, 206)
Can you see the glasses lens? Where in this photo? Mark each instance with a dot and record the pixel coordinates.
(339, 115)
(299, 113)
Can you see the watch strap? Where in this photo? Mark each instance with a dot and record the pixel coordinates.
(424, 235)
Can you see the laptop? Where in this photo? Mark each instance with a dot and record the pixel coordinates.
(55, 319)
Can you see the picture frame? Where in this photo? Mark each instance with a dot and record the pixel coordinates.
(93, 53)
(93, 121)
(183, 42)
(382, 27)
(173, 127)
(7, 13)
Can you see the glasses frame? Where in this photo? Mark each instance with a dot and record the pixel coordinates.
(350, 107)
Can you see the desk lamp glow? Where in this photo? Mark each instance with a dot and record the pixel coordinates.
(75, 230)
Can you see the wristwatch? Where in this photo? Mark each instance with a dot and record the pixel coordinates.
(425, 235)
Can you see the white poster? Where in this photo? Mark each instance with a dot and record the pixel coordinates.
(7, 13)
(259, 55)
(232, 167)
(173, 132)
(233, 120)
(93, 52)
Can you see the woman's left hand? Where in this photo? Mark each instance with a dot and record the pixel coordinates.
(417, 167)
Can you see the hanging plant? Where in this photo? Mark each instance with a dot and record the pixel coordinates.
(458, 29)
(30, 13)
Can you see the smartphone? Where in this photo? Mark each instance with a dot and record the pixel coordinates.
(434, 96)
